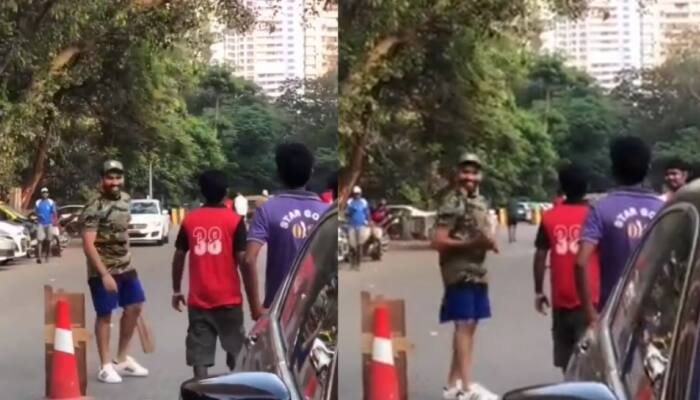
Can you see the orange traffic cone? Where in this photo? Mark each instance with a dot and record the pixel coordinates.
(64, 383)
(383, 380)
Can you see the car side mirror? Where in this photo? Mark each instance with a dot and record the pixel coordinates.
(236, 386)
(165, 212)
(563, 391)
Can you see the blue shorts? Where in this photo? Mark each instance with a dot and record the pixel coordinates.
(465, 302)
(129, 291)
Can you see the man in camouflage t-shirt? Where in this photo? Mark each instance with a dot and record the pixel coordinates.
(111, 276)
(462, 237)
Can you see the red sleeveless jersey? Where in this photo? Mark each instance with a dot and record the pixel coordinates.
(214, 279)
(563, 226)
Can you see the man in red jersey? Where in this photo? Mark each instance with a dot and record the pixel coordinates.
(558, 235)
(215, 238)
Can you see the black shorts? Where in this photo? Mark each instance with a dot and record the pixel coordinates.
(206, 325)
(568, 325)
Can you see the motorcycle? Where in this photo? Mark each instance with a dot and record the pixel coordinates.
(60, 239)
(70, 226)
(343, 244)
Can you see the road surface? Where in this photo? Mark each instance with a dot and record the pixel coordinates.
(513, 349)
(22, 320)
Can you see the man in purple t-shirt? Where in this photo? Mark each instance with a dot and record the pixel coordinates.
(615, 224)
(286, 220)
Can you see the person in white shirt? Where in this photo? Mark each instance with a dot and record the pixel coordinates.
(240, 204)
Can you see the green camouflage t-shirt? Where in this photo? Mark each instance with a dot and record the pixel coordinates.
(465, 217)
(110, 218)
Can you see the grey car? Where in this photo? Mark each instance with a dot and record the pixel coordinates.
(646, 344)
(291, 353)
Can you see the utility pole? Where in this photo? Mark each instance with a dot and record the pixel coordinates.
(150, 179)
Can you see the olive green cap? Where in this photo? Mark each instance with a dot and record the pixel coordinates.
(469, 158)
(112, 165)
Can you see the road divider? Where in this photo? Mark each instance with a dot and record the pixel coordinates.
(177, 215)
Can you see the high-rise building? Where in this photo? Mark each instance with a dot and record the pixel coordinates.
(321, 46)
(618, 35)
(606, 41)
(287, 43)
(662, 23)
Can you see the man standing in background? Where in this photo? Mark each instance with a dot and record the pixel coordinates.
(358, 213)
(241, 205)
(286, 220)
(675, 177)
(46, 213)
(512, 220)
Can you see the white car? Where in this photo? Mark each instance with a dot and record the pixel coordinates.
(19, 236)
(7, 248)
(413, 212)
(149, 222)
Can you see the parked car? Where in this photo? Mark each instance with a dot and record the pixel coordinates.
(291, 352)
(8, 213)
(418, 223)
(149, 222)
(524, 212)
(19, 235)
(646, 343)
(7, 249)
(254, 202)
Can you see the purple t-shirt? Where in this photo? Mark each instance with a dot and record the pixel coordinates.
(284, 222)
(616, 224)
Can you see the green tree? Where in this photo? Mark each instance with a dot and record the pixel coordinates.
(58, 56)
(311, 108)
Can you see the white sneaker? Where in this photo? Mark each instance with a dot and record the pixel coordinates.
(108, 374)
(130, 368)
(451, 393)
(479, 392)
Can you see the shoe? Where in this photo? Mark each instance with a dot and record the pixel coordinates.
(479, 392)
(108, 374)
(130, 368)
(38, 260)
(450, 393)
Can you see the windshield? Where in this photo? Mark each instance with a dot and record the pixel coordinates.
(14, 211)
(144, 208)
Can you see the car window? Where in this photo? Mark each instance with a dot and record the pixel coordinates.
(644, 316)
(144, 208)
(309, 315)
(683, 380)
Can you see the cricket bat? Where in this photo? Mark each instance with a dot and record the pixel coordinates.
(145, 335)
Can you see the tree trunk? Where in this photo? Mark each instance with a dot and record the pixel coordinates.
(38, 171)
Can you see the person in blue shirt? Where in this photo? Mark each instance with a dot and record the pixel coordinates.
(45, 210)
(358, 214)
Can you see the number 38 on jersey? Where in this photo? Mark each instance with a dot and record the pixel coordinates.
(567, 238)
(208, 241)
